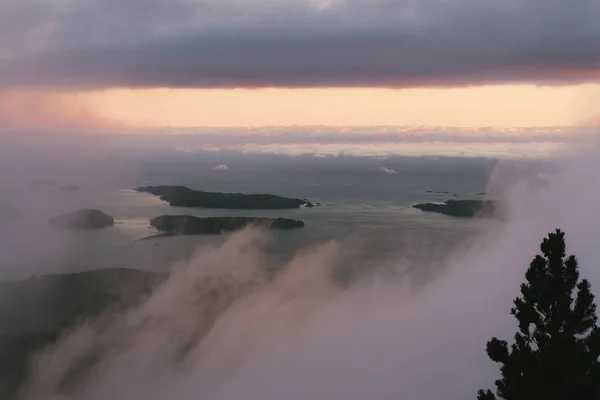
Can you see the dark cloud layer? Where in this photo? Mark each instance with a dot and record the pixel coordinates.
(296, 43)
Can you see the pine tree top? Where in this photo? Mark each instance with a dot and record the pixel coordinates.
(556, 350)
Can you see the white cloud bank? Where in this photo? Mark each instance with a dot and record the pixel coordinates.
(387, 170)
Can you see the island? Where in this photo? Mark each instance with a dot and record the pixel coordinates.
(34, 312)
(182, 196)
(175, 225)
(464, 208)
(84, 219)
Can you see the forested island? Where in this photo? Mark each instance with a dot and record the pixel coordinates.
(173, 225)
(34, 312)
(464, 208)
(182, 196)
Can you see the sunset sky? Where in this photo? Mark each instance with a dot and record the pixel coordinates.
(184, 63)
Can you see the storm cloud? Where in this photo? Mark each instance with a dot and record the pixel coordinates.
(96, 44)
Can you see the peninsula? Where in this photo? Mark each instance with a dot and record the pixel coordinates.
(181, 196)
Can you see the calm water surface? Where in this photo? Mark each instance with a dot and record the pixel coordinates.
(361, 204)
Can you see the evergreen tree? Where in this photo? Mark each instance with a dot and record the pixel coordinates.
(556, 351)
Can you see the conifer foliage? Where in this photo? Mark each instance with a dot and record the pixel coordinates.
(555, 354)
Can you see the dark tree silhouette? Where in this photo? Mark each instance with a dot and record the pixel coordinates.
(557, 348)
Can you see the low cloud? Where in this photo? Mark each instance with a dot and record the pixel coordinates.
(206, 322)
(373, 141)
(387, 170)
(220, 328)
(221, 167)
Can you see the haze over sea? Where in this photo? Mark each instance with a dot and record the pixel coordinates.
(429, 290)
(366, 186)
(366, 107)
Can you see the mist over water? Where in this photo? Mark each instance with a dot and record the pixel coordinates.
(359, 201)
(221, 329)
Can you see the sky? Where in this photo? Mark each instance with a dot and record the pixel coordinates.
(184, 63)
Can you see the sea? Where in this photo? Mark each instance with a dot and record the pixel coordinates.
(365, 202)
(297, 336)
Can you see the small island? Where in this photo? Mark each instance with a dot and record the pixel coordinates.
(464, 208)
(175, 225)
(83, 219)
(181, 196)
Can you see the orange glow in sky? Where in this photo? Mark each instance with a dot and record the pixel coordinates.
(501, 106)
(498, 106)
